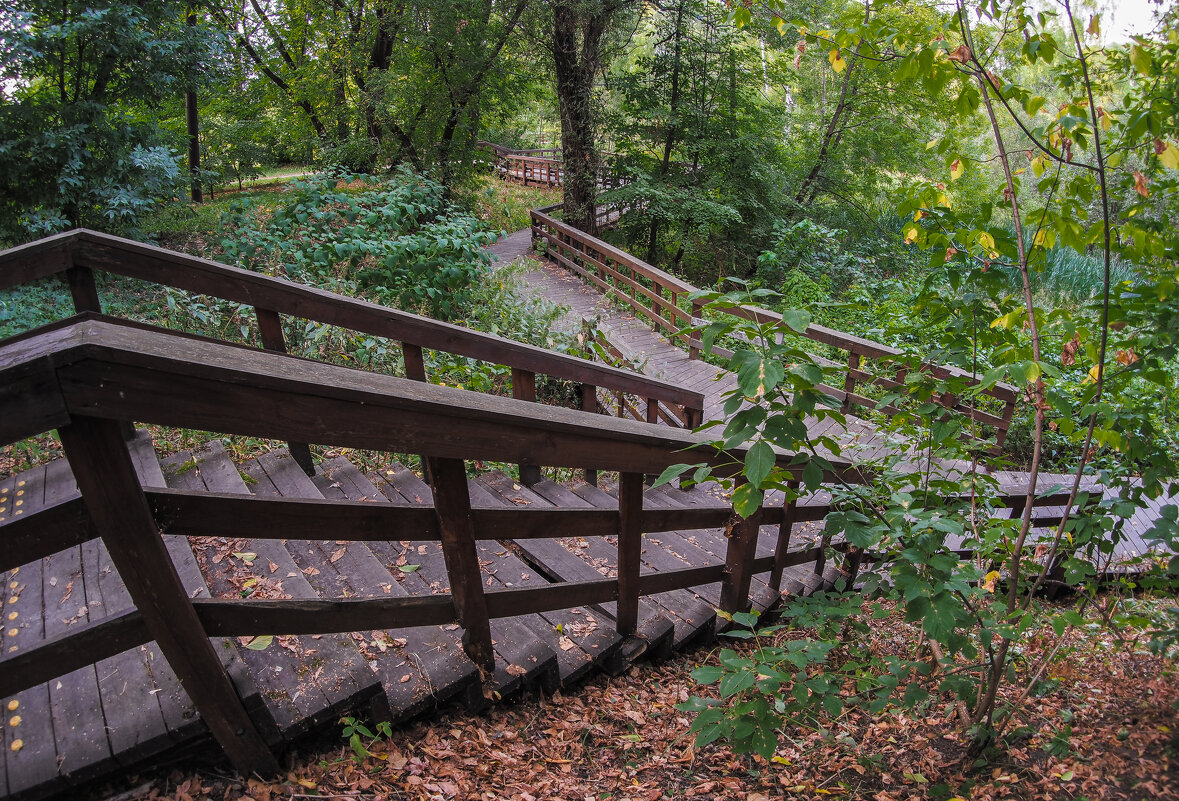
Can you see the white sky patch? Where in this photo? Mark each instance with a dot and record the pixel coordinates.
(1122, 19)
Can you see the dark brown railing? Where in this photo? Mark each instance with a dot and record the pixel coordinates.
(88, 376)
(77, 254)
(540, 167)
(661, 299)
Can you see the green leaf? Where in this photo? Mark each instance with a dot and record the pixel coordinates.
(746, 500)
(759, 460)
(1141, 59)
(812, 475)
(797, 319)
(408, 568)
(261, 642)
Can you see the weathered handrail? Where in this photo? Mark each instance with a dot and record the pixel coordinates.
(87, 375)
(78, 253)
(660, 298)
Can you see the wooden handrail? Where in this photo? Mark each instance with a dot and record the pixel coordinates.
(83, 250)
(85, 375)
(655, 295)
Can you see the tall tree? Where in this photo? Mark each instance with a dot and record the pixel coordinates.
(580, 31)
(72, 150)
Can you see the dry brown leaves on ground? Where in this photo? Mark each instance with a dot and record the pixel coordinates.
(622, 738)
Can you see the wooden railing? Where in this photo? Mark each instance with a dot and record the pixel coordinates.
(77, 254)
(542, 166)
(88, 376)
(661, 299)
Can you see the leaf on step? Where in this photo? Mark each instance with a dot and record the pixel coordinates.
(406, 568)
(261, 642)
(246, 556)
(310, 571)
(405, 678)
(337, 555)
(566, 643)
(273, 567)
(516, 670)
(521, 502)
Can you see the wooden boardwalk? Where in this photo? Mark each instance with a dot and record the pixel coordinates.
(648, 351)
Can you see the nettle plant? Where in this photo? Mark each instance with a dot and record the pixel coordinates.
(1087, 161)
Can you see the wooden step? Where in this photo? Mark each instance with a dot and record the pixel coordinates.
(580, 638)
(590, 558)
(118, 712)
(694, 616)
(421, 667)
(308, 681)
(521, 659)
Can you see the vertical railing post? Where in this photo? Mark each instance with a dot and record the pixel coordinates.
(524, 388)
(456, 524)
(849, 383)
(270, 332)
(415, 370)
(119, 511)
(742, 534)
(589, 403)
(83, 290)
(630, 548)
(697, 313)
(821, 560)
(789, 512)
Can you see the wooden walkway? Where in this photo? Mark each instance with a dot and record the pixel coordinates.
(640, 346)
(130, 710)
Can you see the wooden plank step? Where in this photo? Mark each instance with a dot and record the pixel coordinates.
(579, 637)
(694, 617)
(521, 659)
(590, 558)
(331, 663)
(83, 750)
(30, 752)
(306, 681)
(420, 667)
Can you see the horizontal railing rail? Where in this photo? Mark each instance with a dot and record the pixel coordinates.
(86, 377)
(78, 254)
(661, 299)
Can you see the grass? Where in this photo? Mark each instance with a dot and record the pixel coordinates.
(504, 205)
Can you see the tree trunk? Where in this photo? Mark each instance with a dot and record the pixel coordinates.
(578, 28)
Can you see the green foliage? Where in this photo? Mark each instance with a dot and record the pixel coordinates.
(396, 238)
(72, 150)
(361, 738)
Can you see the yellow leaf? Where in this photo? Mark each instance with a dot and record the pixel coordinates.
(956, 170)
(989, 581)
(310, 785)
(1105, 118)
(1093, 372)
(1170, 157)
(1039, 165)
(911, 234)
(1094, 28)
(942, 200)
(780, 24)
(1041, 238)
(837, 62)
(986, 240)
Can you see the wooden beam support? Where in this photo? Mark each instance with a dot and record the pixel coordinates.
(742, 535)
(589, 403)
(524, 388)
(270, 332)
(106, 476)
(785, 528)
(630, 547)
(456, 524)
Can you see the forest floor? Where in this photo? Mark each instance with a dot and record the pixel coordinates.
(622, 738)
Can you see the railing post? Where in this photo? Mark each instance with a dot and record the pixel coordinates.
(118, 508)
(630, 548)
(821, 561)
(742, 534)
(456, 524)
(270, 331)
(589, 403)
(415, 370)
(693, 348)
(849, 383)
(789, 512)
(524, 388)
(83, 290)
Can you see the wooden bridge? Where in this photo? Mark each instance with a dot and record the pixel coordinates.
(141, 595)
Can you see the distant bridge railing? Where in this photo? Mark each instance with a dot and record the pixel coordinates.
(660, 298)
(541, 167)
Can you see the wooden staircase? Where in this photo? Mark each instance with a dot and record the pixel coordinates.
(125, 710)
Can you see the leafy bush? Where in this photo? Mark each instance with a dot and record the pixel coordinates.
(398, 239)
